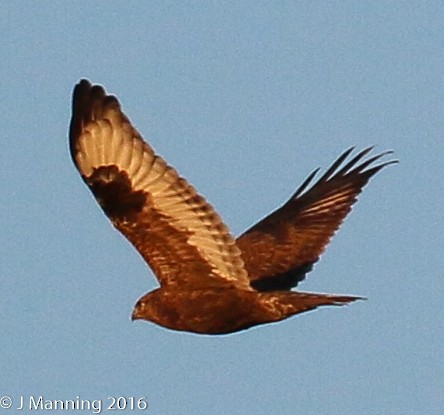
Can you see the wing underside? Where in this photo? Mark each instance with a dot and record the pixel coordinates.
(176, 231)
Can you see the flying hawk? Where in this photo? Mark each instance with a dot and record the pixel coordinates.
(210, 283)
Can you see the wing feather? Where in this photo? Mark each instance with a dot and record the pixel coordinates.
(279, 250)
(176, 231)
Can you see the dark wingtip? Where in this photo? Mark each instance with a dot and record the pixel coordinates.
(83, 83)
(81, 90)
(85, 99)
(355, 165)
(305, 184)
(85, 90)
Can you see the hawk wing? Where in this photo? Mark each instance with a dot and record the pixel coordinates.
(175, 230)
(279, 250)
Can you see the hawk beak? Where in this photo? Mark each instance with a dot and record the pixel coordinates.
(134, 315)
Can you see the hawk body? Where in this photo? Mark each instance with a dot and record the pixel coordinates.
(223, 310)
(210, 283)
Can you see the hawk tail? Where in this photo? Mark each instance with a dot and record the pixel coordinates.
(288, 303)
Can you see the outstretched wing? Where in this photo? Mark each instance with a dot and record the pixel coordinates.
(176, 231)
(279, 250)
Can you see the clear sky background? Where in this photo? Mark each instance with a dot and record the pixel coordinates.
(245, 99)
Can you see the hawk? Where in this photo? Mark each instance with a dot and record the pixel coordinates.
(210, 283)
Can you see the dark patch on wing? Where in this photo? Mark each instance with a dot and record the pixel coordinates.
(165, 248)
(284, 281)
(112, 189)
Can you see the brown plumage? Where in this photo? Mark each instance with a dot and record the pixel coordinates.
(209, 282)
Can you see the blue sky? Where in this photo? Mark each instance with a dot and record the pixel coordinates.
(245, 99)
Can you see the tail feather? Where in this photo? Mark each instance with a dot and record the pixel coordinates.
(289, 303)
